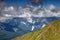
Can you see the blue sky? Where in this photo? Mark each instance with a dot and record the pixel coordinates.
(24, 2)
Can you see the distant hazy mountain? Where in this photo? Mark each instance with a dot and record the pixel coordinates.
(50, 32)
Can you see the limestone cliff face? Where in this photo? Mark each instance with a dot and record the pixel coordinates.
(50, 32)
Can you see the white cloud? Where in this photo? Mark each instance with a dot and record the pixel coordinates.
(2, 19)
(50, 7)
(7, 15)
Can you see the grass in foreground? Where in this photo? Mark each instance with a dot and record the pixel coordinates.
(50, 32)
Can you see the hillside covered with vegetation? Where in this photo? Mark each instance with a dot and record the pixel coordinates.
(50, 32)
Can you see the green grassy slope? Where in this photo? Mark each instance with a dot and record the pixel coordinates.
(50, 32)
